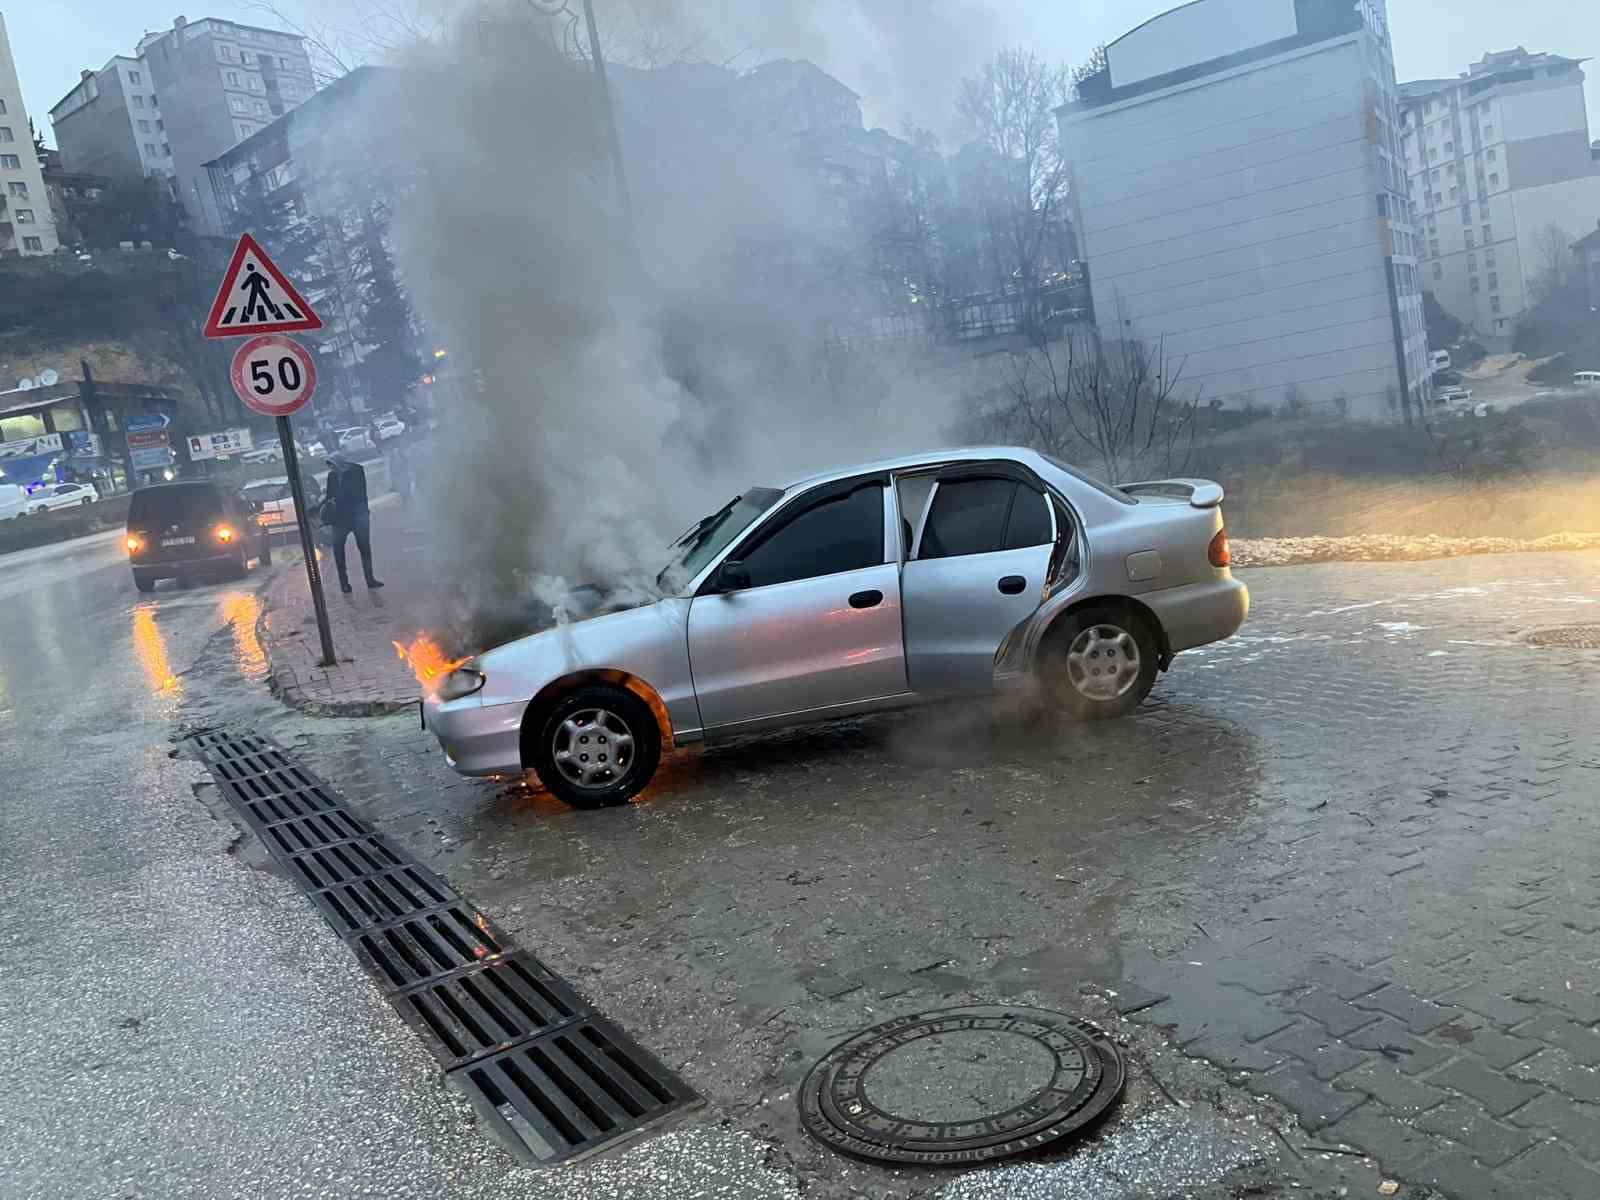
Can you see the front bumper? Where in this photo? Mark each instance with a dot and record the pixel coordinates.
(477, 739)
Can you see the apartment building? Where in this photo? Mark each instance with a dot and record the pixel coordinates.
(26, 226)
(110, 124)
(1501, 175)
(1240, 201)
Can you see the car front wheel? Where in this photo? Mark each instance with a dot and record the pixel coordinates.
(1099, 662)
(598, 746)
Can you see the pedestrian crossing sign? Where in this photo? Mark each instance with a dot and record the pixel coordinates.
(256, 297)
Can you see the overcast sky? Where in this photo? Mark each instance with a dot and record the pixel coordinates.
(52, 40)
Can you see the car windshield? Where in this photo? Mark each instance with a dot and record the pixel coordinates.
(708, 537)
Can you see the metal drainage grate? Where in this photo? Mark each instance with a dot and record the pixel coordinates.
(1567, 637)
(568, 1092)
(380, 899)
(424, 948)
(551, 1077)
(466, 1017)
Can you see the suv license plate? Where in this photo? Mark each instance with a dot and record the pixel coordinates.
(177, 541)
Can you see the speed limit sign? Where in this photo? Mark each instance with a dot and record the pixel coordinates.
(273, 374)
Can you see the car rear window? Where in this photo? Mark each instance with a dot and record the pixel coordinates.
(157, 506)
(267, 491)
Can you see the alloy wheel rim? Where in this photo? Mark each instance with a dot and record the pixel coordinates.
(592, 748)
(1103, 662)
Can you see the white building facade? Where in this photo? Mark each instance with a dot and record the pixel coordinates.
(26, 226)
(1497, 160)
(1240, 203)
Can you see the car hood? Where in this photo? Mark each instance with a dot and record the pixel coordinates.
(634, 640)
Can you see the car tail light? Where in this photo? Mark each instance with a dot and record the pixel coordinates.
(1218, 551)
(135, 543)
(225, 533)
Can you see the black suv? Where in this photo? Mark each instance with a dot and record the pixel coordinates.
(176, 530)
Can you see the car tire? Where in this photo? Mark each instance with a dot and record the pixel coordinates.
(1099, 662)
(145, 583)
(86, 501)
(266, 550)
(601, 713)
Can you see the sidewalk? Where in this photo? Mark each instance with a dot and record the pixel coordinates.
(370, 678)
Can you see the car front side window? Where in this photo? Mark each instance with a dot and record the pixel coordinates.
(840, 534)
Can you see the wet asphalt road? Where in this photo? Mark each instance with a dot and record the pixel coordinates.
(175, 1022)
(1377, 774)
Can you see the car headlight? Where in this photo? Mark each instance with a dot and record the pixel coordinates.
(463, 681)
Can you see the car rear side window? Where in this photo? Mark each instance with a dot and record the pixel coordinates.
(843, 534)
(1030, 520)
(968, 517)
(161, 506)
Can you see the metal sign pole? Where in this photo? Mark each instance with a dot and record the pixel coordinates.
(291, 463)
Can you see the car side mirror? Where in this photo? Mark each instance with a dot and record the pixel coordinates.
(732, 576)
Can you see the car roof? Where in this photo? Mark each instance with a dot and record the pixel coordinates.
(928, 458)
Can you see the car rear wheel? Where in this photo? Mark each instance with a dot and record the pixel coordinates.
(598, 746)
(86, 500)
(1099, 662)
(266, 550)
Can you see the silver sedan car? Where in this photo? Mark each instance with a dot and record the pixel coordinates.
(875, 587)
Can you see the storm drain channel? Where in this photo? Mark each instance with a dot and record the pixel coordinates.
(553, 1077)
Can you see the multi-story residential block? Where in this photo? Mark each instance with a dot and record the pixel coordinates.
(109, 124)
(26, 226)
(1240, 201)
(220, 82)
(1502, 177)
(191, 92)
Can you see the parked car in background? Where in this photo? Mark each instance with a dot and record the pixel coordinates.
(1586, 379)
(276, 501)
(356, 438)
(62, 495)
(878, 586)
(13, 502)
(179, 530)
(1439, 360)
(316, 450)
(1452, 395)
(390, 427)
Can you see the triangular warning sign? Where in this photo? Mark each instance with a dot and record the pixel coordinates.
(256, 297)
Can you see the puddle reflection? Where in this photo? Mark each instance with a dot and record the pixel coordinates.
(151, 649)
(241, 611)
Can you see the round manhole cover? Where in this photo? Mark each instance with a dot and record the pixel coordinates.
(960, 1085)
(1567, 637)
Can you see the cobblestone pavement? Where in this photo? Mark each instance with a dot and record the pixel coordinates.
(369, 677)
(1349, 859)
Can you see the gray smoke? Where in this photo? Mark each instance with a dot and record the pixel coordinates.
(632, 375)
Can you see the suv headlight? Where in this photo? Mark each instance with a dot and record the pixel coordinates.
(463, 681)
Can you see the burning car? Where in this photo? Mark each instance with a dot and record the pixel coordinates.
(875, 587)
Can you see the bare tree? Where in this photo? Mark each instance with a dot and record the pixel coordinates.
(1010, 106)
(1095, 63)
(1116, 406)
(1552, 260)
(375, 30)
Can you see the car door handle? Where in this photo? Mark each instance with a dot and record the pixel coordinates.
(1012, 585)
(867, 599)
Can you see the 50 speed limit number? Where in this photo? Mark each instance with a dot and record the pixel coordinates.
(274, 374)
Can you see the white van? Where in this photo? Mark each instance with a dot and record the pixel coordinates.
(1586, 378)
(13, 502)
(1439, 360)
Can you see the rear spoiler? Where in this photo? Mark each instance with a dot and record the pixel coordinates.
(1201, 493)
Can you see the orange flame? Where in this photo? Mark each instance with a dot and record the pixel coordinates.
(427, 660)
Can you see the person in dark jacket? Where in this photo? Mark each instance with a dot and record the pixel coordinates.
(345, 508)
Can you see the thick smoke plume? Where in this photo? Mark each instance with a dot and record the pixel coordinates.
(631, 375)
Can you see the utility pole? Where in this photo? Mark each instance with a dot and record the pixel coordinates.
(608, 112)
(597, 60)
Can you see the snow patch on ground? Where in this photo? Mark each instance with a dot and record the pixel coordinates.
(1283, 552)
